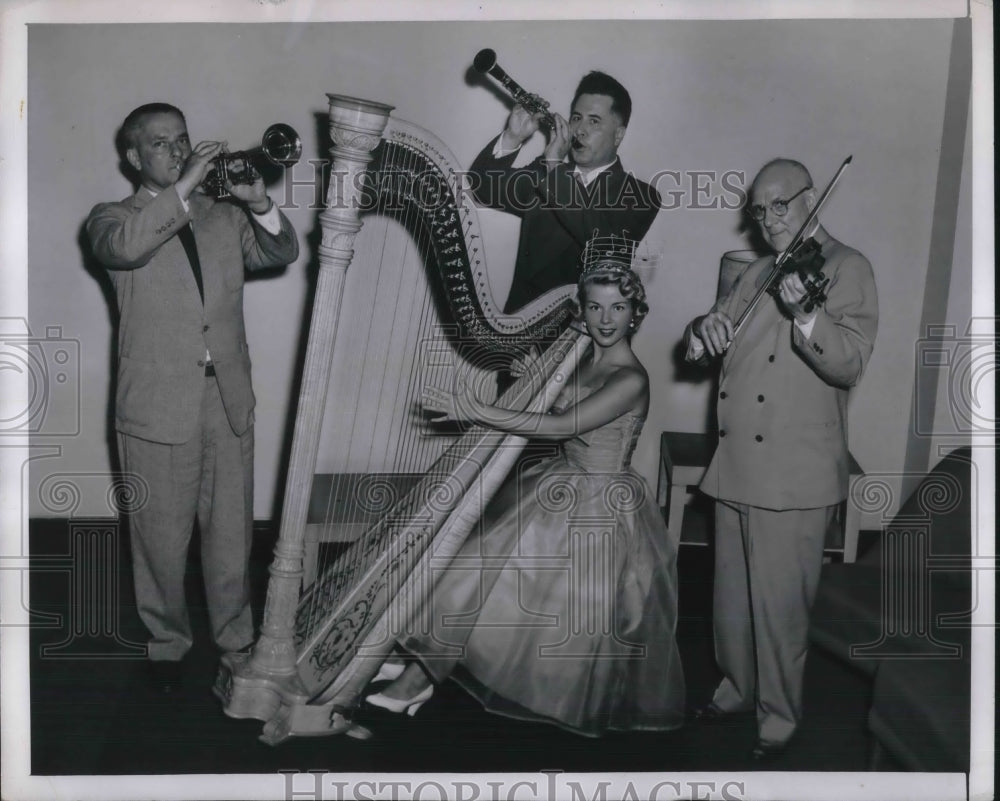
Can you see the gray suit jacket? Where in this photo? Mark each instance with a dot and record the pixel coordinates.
(782, 402)
(164, 327)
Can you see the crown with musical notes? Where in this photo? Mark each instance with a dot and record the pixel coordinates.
(614, 254)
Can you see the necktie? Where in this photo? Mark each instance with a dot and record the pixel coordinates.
(186, 235)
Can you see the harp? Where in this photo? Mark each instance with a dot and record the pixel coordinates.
(323, 639)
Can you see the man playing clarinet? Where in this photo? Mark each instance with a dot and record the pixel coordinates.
(575, 190)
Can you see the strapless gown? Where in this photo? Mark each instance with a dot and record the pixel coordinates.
(562, 607)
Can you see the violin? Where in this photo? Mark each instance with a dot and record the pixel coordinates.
(803, 257)
(807, 262)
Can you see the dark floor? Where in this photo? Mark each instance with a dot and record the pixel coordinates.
(92, 711)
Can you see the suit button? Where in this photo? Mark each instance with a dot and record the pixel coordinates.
(722, 395)
(760, 399)
(759, 438)
(770, 358)
(201, 362)
(722, 433)
(204, 328)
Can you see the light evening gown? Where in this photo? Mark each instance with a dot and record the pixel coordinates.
(562, 607)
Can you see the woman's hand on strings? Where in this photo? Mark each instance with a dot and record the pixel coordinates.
(456, 405)
(523, 364)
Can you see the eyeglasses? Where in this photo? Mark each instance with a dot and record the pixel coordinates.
(778, 207)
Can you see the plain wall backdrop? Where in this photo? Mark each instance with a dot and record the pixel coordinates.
(709, 98)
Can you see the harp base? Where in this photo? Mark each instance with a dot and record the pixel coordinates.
(282, 704)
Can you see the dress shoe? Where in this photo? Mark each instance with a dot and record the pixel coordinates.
(397, 705)
(165, 675)
(764, 752)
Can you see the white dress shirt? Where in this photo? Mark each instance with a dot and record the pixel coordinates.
(586, 178)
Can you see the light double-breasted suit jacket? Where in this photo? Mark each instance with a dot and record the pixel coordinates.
(782, 402)
(164, 328)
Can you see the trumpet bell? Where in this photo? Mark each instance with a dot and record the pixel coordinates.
(281, 144)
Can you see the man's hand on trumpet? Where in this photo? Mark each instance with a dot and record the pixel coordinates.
(198, 163)
(254, 195)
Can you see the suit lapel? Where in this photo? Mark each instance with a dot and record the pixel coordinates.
(174, 246)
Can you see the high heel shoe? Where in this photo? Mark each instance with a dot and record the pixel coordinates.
(408, 705)
(389, 671)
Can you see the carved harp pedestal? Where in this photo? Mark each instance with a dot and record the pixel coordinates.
(323, 639)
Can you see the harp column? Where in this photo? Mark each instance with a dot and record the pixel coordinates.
(355, 128)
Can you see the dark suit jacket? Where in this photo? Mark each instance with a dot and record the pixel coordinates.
(559, 215)
(164, 327)
(782, 402)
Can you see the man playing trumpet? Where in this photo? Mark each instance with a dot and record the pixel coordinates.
(575, 190)
(184, 402)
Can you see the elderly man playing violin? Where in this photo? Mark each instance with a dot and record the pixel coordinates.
(781, 466)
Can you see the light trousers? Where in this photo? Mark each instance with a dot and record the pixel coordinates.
(767, 567)
(208, 478)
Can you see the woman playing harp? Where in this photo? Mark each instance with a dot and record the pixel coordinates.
(327, 630)
(563, 607)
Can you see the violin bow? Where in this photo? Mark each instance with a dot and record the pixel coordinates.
(797, 240)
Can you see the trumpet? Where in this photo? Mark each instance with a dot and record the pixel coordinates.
(280, 145)
(485, 63)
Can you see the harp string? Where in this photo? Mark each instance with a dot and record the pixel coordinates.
(351, 488)
(414, 452)
(410, 445)
(408, 453)
(325, 646)
(413, 449)
(341, 509)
